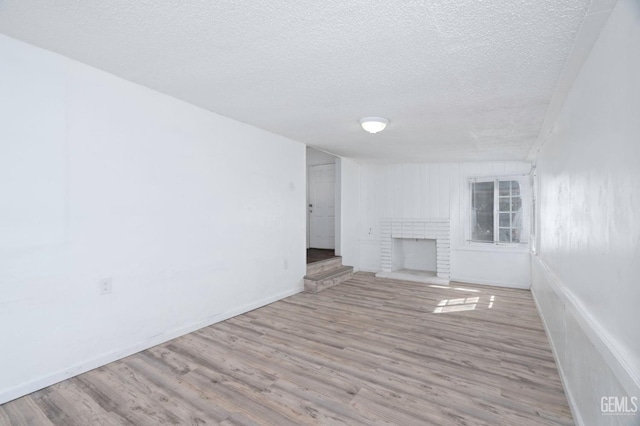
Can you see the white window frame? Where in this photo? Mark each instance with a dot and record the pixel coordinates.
(524, 182)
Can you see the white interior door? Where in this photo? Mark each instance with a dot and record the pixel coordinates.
(322, 209)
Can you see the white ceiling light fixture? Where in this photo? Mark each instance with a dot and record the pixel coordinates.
(373, 124)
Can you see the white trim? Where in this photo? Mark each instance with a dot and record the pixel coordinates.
(612, 354)
(533, 210)
(563, 378)
(497, 248)
(492, 176)
(66, 373)
(416, 278)
(509, 284)
(525, 197)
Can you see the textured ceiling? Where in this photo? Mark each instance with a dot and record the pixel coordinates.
(459, 80)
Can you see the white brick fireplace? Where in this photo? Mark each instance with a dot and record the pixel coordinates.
(393, 230)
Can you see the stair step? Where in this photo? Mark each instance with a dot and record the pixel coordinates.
(326, 279)
(324, 265)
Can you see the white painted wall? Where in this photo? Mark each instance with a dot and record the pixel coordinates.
(349, 211)
(315, 157)
(196, 217)
(586, 273)
(438, 191)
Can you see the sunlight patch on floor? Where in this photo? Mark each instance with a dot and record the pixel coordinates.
(461, 304)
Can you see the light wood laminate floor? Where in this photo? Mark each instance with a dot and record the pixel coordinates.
(368, 351)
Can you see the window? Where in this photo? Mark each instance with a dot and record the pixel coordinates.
(533, 181)
(497, 211)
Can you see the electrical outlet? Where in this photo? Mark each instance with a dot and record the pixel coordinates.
(105, 286)
(286, 264)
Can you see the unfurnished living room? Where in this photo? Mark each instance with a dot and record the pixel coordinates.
(306, 212)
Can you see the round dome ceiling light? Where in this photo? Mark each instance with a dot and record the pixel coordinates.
(373, 124)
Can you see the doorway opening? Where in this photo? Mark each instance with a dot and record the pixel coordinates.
(323, 194)
(318, 255)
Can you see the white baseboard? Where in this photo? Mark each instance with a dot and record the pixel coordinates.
(412, 276)
(604, 353)
(596, 333)
(563, 378)
(469, 280)
(115, 355)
